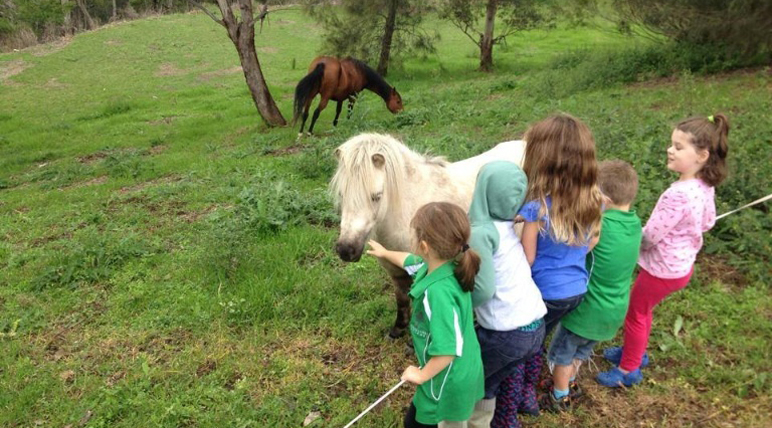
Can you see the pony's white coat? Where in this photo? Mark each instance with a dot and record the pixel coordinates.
(380, 183)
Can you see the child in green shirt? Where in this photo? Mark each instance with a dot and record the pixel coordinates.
(450, 378)
(611, 263)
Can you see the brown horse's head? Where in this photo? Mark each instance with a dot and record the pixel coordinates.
(394, 104)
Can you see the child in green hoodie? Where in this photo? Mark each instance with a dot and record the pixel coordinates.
(508, 304)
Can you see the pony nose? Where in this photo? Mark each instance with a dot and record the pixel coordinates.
(347, 252)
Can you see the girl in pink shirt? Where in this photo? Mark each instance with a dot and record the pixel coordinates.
(672, 237)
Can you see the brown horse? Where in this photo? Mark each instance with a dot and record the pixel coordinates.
(339, 80)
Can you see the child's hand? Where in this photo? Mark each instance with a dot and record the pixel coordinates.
(377, 249)
(519, 219)
(412, 374)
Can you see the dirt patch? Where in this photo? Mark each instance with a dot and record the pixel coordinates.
(54, 83)
(49, 48)
(156, 150)
(168, 179)
(291, 150)
(194, 216)
(206, 367)
(716, 267)
(169, 69)
(165, 120)
(224, 72)
(12, 68)
(92, 157)
(92, 182)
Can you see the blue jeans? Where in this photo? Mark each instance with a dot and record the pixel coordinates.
(502, 351)
(567, 346)
(557, 309)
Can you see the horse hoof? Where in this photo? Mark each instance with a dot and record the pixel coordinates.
(395, 333)
(300, 134)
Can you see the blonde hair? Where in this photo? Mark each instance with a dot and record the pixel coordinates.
(445, 227)
(560, 164)
(711, 134)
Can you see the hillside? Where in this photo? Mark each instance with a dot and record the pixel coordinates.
(167, 260)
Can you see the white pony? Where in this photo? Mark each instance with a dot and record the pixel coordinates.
(379, 185)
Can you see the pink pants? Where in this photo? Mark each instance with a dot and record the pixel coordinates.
(647, 292)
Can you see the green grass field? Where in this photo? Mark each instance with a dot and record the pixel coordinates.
(166, 260)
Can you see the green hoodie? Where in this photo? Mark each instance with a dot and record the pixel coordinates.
(498, 195)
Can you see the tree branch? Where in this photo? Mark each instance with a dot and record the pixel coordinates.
(206, 11)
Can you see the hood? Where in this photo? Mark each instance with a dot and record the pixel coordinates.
(499, 192)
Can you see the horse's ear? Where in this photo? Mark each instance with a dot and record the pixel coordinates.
(337, 154)
(378, 160)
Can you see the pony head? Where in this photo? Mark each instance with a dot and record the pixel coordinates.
(394, 104)
(366, 187)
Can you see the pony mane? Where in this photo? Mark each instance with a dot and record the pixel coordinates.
(378, 83)
(353, 179)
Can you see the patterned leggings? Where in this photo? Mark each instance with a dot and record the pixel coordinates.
(518, 393)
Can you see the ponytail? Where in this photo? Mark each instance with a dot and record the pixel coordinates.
(467, 266)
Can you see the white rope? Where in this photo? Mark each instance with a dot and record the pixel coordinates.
(375, 404)
(757, 201)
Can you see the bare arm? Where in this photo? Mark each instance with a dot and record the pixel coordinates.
(435, 365)
(530, 233)
(396, 258)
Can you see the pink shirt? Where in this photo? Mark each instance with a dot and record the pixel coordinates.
(673, 235)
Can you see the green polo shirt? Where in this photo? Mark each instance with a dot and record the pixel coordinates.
(442, 324)
(611, 265)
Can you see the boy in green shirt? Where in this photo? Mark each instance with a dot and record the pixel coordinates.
(611, 262)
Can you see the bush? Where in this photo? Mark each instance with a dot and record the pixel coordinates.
(594, 69)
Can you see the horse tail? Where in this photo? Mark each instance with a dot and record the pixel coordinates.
(307, 87)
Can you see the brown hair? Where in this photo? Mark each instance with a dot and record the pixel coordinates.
(560, 164)
(618, 181)
(445, 227)
(709, 133)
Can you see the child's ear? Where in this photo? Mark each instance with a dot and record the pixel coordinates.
(703, 156)
(424, 247)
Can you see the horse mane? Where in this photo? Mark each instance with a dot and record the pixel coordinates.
(374, 80)
(354, 177)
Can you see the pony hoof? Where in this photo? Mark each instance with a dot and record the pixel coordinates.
(395, 333)
(300, 134)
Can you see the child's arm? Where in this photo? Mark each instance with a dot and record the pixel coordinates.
(394, 257)
(530, 234)
(435, 365)
(666, 215)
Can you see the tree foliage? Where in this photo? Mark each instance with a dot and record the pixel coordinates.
(737, 27)
(476, 19)
(356, 28)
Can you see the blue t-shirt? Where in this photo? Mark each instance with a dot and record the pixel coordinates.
(558, 269)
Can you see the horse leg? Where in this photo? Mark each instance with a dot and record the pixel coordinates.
(319, 108)
(401, 288)
(338, 108)
(303, 123)
(351, 100)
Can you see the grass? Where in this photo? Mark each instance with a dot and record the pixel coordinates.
(167, 260)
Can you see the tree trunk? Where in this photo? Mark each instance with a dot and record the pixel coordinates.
(82, 7)
(242, 34)
(388, 35)
(67, 21)
(115, 12)
(486, 41)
